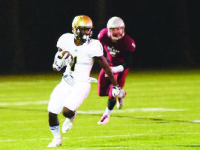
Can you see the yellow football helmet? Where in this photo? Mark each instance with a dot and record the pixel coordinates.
(82, 28)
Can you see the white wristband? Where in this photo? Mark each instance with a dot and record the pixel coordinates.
(116, 69)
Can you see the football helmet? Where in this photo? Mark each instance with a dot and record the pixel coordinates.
(82, 28)
(116, 28)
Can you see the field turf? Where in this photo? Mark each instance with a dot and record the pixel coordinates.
(161, 111)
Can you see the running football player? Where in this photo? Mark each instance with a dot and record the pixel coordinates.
(77, 52)
(118, 47)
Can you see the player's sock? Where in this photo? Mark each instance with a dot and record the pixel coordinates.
(111, 103)
(109, 108)
(55, 130)
(107, 112)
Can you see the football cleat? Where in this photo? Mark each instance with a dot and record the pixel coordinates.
(67, 125)
(55, 143)
(120, 101)
(104, 120)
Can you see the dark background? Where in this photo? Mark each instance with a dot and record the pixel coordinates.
(166, 32)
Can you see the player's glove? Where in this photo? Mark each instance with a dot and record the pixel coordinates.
(116, 69)
(116, 91)
(69, 79)
(58, 64)
(62, 58)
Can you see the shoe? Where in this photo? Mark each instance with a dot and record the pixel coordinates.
(104, 120)
(67, 125)
(55, 143)
(120, 101)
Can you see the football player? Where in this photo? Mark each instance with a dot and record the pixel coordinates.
(77, 52)
(118, 47)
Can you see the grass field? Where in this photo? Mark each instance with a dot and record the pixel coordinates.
(162, 111)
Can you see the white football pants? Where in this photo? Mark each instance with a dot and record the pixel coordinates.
(70, 96)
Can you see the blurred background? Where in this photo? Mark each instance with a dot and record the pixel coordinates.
(166, 32)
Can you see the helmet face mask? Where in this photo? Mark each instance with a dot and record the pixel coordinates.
(116, 33)
(116, 28)
(82, 28)
(83, 33)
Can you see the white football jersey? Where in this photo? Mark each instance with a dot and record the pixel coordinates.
(83, 55)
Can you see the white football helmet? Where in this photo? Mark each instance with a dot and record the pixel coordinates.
(82, 28)
(116, 28)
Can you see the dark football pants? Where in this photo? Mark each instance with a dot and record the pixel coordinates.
(105, 85)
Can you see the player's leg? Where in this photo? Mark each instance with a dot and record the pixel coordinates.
(75, 99)
(103, 84)
(111, 103)
(69, 117)
(108, 110)
(121, 81)
(54, 108)
(55, 130)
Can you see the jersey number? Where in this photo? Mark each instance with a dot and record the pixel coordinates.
(73, 63)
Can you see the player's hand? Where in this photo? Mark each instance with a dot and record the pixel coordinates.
(62, 58)
(56, 68)
(116, 91)
(58, 63)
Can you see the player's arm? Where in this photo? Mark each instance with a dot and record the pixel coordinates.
(125, 65)
(130, 46)
(127, 59)
(104, 64)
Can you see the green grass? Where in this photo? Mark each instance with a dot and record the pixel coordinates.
(159, 111)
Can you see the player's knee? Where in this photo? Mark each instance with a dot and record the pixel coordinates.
(68, 113)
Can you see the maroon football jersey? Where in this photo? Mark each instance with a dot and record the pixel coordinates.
(116, 51)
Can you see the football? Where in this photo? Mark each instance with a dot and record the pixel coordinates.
(66, 57)
(66, 54)
(63, 54)
(62, 58)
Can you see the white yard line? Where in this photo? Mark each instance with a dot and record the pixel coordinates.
(129, 110)
(97, 137)
(25, 103)
(91, 111)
